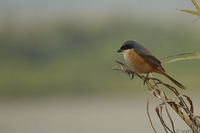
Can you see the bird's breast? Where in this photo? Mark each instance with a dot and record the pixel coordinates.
(136, 63)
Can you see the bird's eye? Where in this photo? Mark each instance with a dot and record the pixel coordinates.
(125, 47)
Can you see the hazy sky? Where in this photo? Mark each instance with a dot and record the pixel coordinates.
(95, 8)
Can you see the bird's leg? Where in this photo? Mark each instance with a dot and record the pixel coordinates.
(146, 78)
(131, 73)
(132, 76)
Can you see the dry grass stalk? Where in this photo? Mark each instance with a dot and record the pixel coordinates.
(185, 111)
(197, 13)
(195, 56)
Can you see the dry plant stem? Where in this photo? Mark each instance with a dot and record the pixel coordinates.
(178, 55)
(195, 56)
(197, 13)
(192, 121)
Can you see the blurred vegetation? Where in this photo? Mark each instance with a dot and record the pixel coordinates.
(197, 13)
(68, 56)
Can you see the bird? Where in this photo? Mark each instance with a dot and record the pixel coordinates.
(140, 60)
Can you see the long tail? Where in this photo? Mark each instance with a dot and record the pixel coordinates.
(174, 81)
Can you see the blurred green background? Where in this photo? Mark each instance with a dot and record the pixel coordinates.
(57, 53)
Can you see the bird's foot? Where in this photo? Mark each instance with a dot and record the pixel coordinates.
(146, 78)
(131, 73)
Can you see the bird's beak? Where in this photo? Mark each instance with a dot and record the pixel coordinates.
(118, 51)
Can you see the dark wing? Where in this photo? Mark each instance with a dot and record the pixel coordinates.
(146, 55)
(152, 60)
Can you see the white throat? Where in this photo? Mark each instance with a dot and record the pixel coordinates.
(125, 53)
